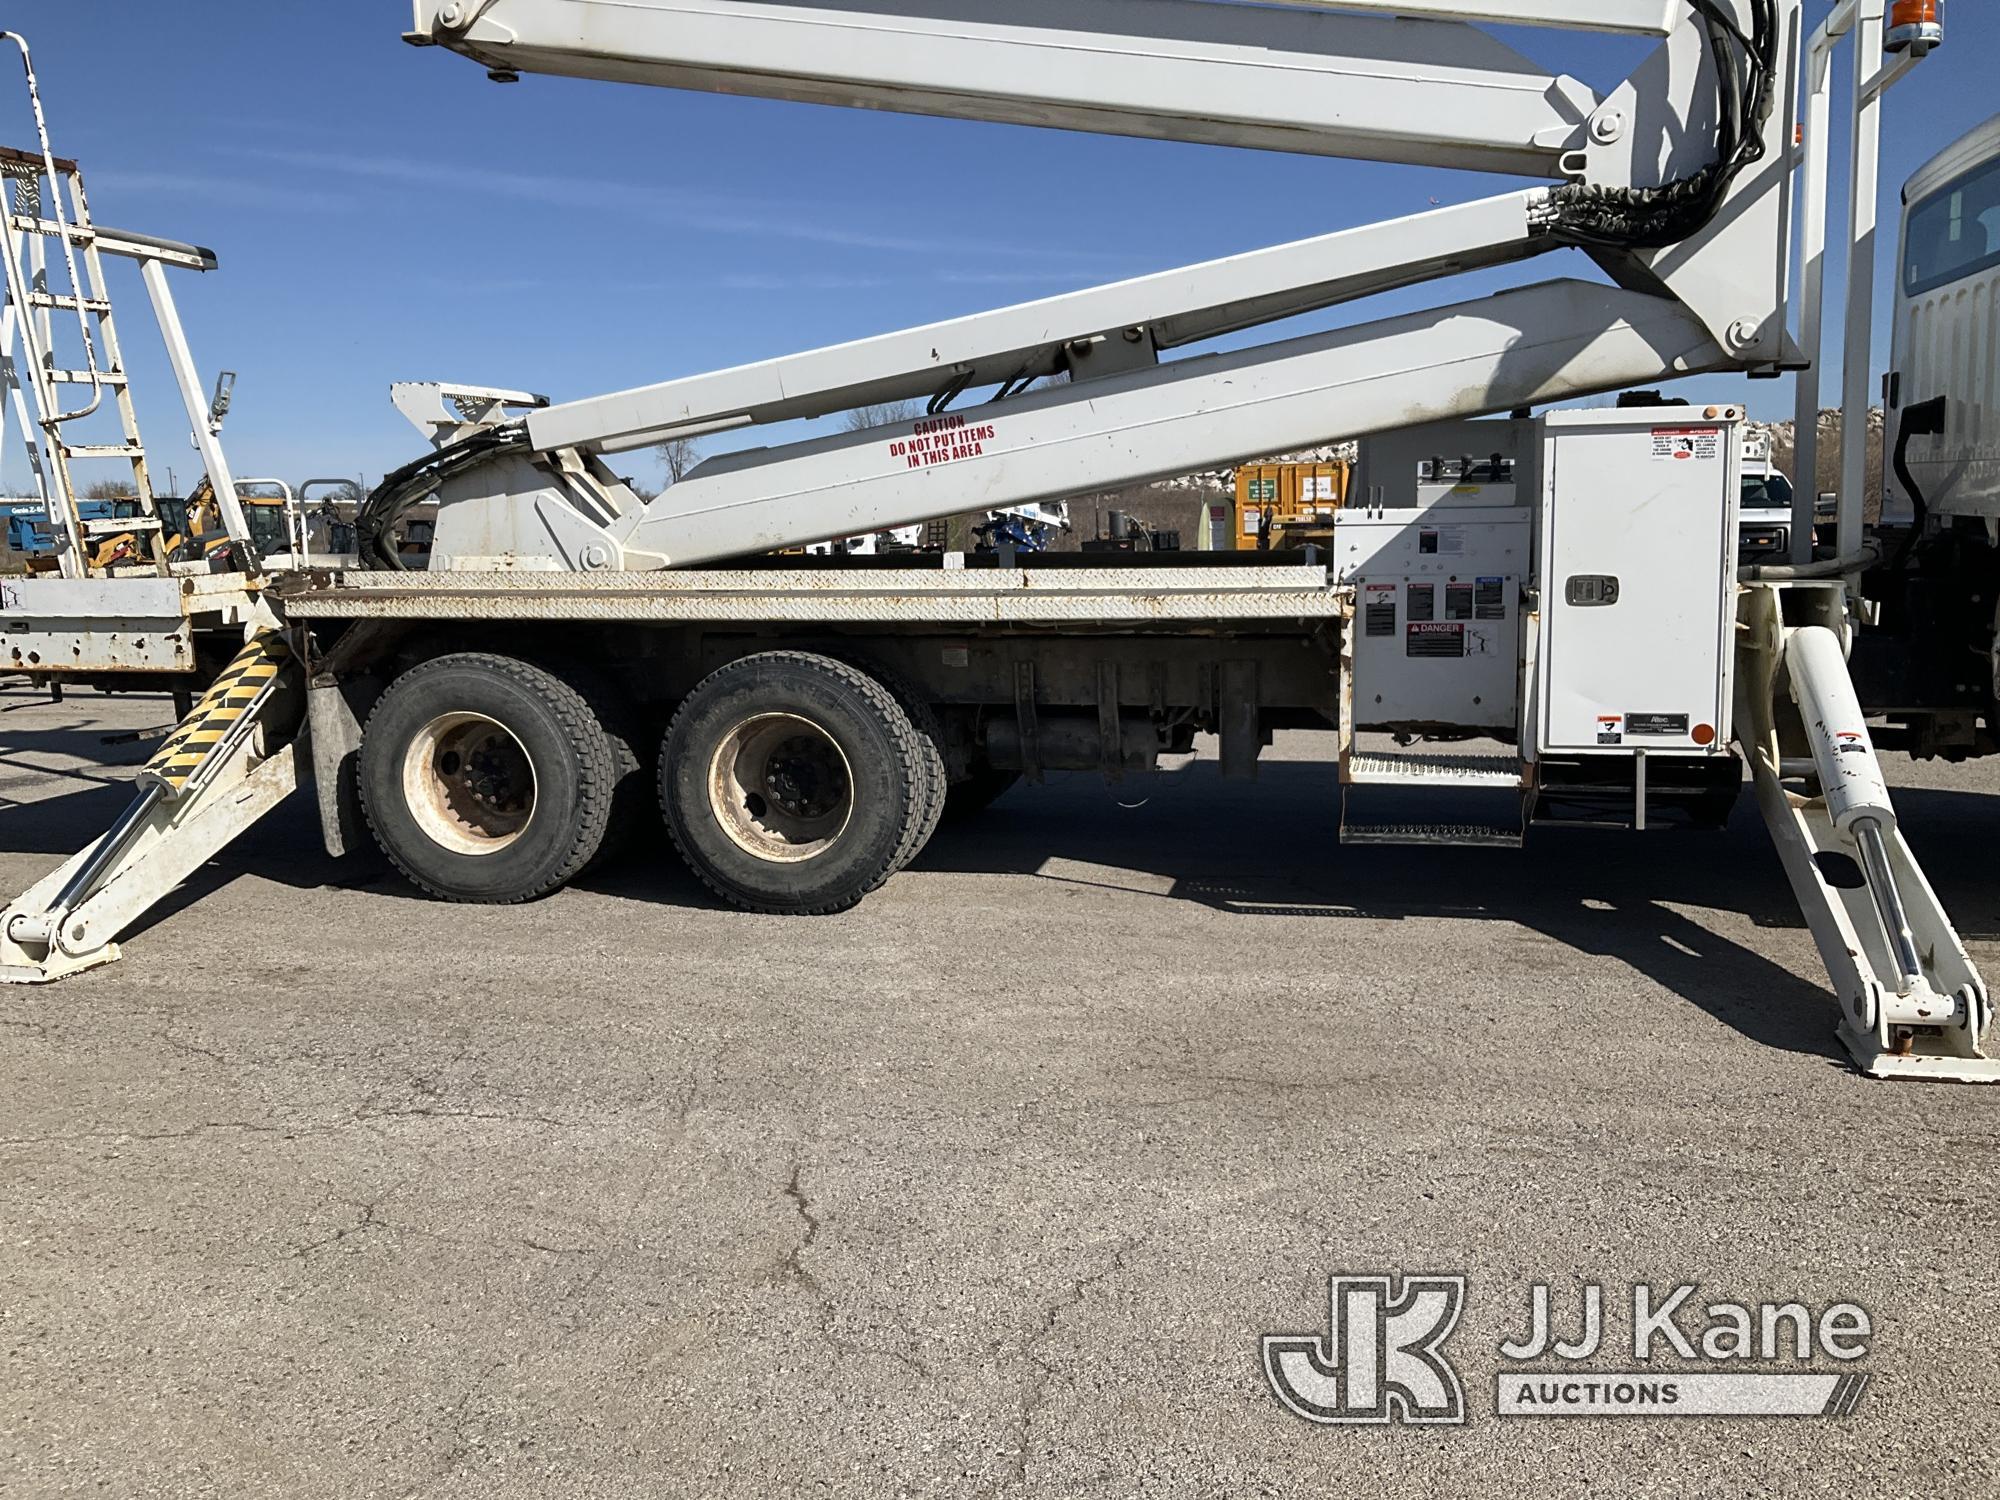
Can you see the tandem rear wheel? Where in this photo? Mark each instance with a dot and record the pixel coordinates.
(791, 782)
(489, 779)
(797, 783)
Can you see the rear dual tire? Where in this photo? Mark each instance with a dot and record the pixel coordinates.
(791, 782)
(488, 779)
(794, 783)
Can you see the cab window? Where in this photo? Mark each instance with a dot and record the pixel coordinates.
(1954, 233)
(1766, 492)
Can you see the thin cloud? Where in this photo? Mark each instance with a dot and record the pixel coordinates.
(217, 190)
(804, 281)
(751, 218)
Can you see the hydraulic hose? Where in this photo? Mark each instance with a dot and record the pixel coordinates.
(1925, 419)
(1651, 218)
(391, 501)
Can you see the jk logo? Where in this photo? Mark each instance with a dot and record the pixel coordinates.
(1382, 1358)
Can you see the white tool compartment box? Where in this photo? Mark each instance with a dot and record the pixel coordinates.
(1638, 580)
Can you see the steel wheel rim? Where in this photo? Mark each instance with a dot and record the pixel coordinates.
(469, 783)
(780, 787)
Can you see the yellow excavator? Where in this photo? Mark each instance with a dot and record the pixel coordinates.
(193, 530)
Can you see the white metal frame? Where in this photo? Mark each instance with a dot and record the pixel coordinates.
(949, 595)
(30, 303)
(1923, 1014)
(1873, 74)
(195, 399)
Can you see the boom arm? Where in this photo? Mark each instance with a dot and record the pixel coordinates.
(1675, 182)
(1429, 92)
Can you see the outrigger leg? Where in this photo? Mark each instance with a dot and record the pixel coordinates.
(229, 762)
(1911, 1003)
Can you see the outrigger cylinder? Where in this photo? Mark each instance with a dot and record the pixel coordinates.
(1850, 776)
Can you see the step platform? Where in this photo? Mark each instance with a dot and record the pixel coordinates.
(1473, 801)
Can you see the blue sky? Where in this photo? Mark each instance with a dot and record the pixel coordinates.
(386, 213)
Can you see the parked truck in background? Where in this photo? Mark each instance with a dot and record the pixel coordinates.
(1930, 659)
(1766, 509)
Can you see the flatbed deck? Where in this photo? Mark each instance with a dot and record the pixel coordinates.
(1030, 593)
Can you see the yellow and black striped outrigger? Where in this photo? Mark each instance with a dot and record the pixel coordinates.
(226, 711)
(170, 787)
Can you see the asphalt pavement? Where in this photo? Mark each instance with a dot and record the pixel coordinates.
(990, 1187)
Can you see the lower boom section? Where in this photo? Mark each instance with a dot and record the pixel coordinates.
(1526, 347)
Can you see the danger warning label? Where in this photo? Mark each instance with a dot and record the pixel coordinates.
(1683, 444)
(1435, 640)
(942, 440)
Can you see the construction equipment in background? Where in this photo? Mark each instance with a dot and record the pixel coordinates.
(524, 624)
(31, 533)
(1283, 506)
(875, 544)
(192, 530)
(1031, 526)
(1124, 532)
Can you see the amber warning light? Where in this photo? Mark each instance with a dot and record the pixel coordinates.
(1915, 26)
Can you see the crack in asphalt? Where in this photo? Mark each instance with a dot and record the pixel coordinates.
(180, 1045)
(297, 1131)
(794, 1263)
(794, 1269)
(367, 1221)
(1035, 1392)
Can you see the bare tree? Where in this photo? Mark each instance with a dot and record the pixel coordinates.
(109, 489)
(881, 415)
(677, 456)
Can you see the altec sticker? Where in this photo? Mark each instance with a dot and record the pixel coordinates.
(1656, 724)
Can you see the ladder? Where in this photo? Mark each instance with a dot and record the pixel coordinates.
(42, 199)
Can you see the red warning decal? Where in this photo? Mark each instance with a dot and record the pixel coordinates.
(1683, 443)
(942, 440)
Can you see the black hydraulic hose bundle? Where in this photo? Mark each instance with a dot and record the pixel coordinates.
(1925, 419)
(392, 501)
(1651, 218)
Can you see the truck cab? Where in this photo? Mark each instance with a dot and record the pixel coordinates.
(1931, 665)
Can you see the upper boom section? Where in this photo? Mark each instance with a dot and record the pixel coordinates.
(1638, 17)
(1415, 84)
